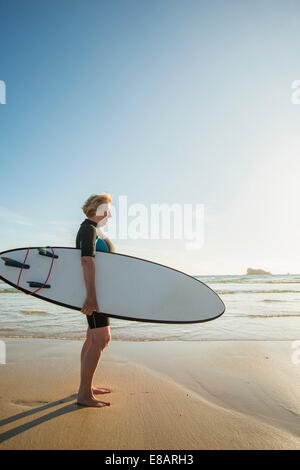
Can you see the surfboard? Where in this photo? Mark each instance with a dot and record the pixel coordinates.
(127, 287)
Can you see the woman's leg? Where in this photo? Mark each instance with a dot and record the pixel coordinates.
(86, 344)
(100, 338)
(85, 347)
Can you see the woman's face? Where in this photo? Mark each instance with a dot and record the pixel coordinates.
(103, 214)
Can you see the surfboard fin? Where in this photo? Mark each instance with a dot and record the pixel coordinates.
(14, 263)
(44, 252)
(38, 284)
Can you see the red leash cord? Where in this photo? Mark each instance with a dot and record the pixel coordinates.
(30, 293)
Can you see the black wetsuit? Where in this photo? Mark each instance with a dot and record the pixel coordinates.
(86, 241)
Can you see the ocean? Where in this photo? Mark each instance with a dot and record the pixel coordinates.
(258, 307)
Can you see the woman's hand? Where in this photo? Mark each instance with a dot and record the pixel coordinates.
(90, 305)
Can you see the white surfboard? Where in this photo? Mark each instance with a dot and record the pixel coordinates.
(127, 287)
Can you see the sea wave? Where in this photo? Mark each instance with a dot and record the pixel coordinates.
(271, 315)
(249, 281)
(65, 338)
(262, 291)
(222, 281)
(223, 292)
(144, 340)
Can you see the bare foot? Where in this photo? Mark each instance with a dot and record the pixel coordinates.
(91, 401)
(98, 390)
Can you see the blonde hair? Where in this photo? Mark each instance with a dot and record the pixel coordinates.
(90, 206)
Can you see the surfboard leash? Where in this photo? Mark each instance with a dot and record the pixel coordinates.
(30, 293)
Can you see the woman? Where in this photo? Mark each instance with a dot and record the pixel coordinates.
(97, 211)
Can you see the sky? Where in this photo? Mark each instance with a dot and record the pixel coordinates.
(164, 102)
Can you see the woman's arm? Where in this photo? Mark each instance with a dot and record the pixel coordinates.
(90, 305)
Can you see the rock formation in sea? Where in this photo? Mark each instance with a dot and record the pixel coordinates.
(257, 271)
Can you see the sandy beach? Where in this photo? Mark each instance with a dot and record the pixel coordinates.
(165, 395)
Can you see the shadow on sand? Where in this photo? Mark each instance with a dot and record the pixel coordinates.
(42, 419)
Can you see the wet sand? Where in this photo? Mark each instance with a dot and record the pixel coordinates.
(165, 395)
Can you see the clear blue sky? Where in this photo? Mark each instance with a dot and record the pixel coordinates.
(164, 101)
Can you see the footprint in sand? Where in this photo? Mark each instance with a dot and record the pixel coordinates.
(30, 403)
(38, 403)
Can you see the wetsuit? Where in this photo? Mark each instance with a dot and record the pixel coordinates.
(86, 241)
